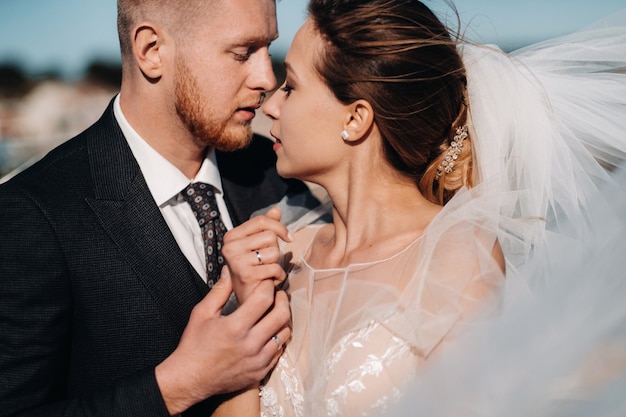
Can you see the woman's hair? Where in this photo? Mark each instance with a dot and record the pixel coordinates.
(398, 56)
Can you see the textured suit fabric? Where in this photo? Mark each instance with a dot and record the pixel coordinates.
(94, 291)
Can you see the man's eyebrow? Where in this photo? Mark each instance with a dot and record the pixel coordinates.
(256, 41)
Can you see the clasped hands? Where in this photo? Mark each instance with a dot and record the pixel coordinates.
(221, 354)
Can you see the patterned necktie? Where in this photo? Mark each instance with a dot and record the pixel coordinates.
(201, 198)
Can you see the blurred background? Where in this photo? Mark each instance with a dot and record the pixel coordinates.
(60, 66)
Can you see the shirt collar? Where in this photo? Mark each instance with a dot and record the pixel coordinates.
(164, 180)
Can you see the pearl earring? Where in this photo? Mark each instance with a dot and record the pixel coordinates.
(344, 135)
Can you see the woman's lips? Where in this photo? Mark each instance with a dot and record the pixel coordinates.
(277, 143)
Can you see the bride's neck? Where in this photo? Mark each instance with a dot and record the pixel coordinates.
(372, 219)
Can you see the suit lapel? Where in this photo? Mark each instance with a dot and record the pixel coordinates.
(127, 211)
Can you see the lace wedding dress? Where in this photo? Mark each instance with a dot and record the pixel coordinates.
(359, 338)
(437, 326)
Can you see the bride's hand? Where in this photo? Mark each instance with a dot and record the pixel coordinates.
(252, 252)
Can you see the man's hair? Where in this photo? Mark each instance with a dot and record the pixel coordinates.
(174, 15)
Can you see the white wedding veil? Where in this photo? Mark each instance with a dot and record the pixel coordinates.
(548, 127)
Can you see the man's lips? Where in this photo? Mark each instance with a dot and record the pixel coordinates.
(251, 110)
(251, 107)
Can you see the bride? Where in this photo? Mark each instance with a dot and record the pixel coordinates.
(452, 169)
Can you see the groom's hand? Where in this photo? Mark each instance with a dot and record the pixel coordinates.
(220, 354)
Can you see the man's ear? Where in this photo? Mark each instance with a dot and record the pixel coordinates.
(359, 120)
(148, 48)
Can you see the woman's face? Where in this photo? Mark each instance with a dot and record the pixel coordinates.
(307, 118)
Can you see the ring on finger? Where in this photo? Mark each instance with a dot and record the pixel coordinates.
(276, 340)
(258, 257)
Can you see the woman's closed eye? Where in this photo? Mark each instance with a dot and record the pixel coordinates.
(286, 88)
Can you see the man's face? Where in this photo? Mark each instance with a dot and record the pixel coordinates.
(222, 74)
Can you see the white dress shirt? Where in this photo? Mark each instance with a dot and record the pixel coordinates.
(165, 183)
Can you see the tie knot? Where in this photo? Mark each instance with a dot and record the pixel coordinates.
(201, 197)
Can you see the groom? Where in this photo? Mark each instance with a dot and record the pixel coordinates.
(103, 298)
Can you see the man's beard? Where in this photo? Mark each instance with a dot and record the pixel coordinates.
(199, 121)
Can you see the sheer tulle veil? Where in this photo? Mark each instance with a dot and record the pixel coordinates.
(548, 127)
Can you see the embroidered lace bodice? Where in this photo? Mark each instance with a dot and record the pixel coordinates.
(360, 333)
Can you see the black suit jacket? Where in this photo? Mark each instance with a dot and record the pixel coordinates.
(94, 290)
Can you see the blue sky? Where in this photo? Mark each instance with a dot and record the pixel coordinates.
(66, 34)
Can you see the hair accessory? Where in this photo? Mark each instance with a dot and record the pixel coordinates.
(453, 152)
(345, 135)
